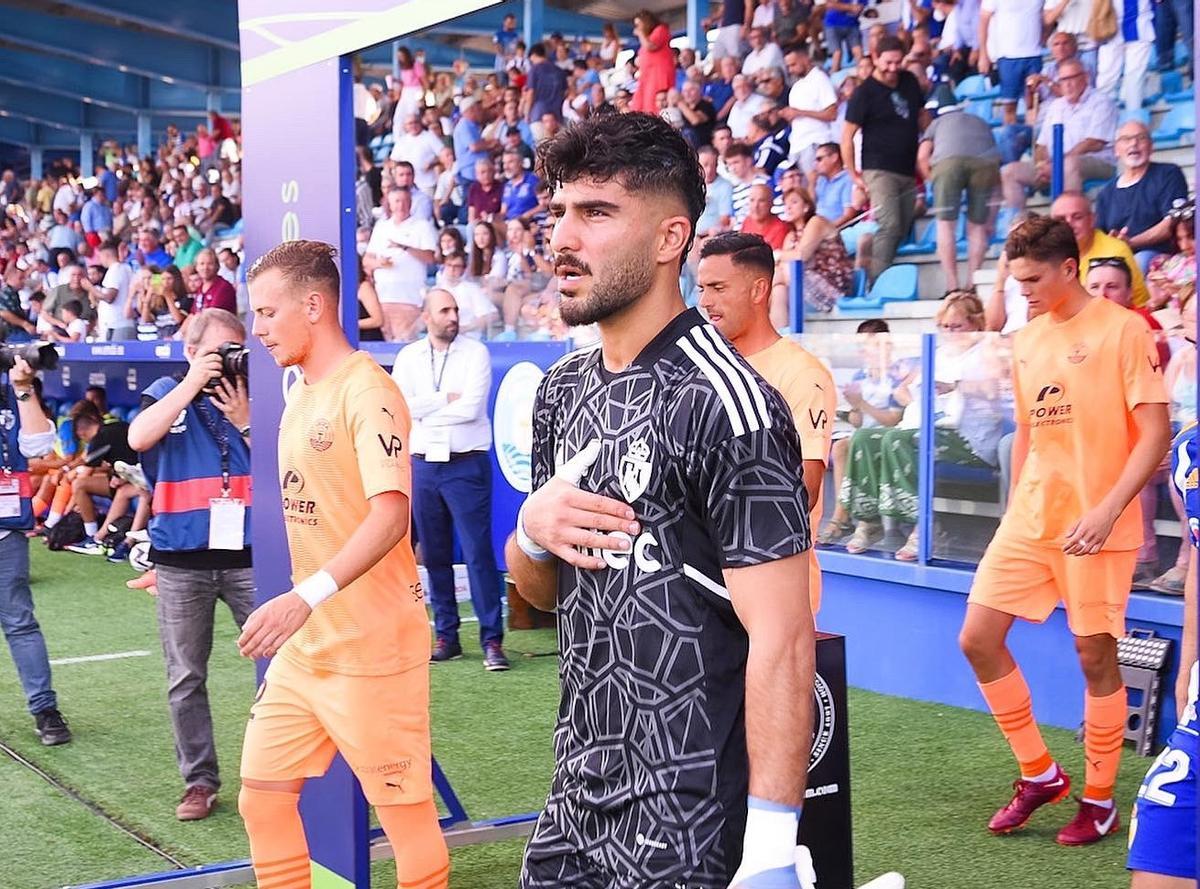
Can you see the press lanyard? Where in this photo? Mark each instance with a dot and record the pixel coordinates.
(437, 380)
(219, 432)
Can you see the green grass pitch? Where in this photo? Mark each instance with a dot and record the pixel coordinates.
(925, 778)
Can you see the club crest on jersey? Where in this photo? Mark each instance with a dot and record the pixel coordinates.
(321, 436)
(635, 470)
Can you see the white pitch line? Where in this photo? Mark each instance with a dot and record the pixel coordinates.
(87, 659)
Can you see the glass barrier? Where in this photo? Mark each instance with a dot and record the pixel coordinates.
(870, 489)
(973, 431)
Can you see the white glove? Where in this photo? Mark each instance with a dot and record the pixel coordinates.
(770, 857)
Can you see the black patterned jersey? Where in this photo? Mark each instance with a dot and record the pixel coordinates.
(651, 766)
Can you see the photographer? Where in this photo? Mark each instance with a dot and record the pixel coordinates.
(194, 434)
(25, 432)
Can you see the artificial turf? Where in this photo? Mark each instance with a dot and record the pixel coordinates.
(925, 778)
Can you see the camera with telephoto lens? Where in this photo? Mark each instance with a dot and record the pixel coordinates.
(39, 356)
(235, 363)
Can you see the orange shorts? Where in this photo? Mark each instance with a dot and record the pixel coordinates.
(380, 725)
(1026, 580)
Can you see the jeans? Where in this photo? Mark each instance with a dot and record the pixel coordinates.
(187, 598)
(893, 198)
(20, 627)
(457, 497)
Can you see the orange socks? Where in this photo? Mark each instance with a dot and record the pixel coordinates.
(278, 848)
(1104, 733)
(1008, 699)
(422, 861)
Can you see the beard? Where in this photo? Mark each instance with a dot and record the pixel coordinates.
(624, 280)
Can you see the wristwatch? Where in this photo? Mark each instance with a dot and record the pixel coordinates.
(23, 394)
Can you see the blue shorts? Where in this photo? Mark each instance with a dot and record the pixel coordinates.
(842, 37)
(1162, 831)
(1014, 73)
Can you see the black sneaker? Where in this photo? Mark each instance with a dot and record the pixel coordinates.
(445, 650)
(51, 727)
(494, 660)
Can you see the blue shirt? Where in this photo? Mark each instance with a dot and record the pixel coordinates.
(1143, 205)
(466, 134)
(96, 217)
(520, 196)
(834, 19)
(718, 92)
(109, 181)
(159, 257)
(718, 202)
(834, 195)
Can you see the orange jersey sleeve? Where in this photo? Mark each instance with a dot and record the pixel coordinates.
(341, 442)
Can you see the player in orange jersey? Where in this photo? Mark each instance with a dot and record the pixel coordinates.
(734, 278)
(352, 637)
(1092, 427)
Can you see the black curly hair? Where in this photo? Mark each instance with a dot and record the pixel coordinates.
(643, 153)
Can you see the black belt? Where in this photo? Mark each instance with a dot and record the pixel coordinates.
(462, 455)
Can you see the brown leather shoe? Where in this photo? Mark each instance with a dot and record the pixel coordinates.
(197, 803)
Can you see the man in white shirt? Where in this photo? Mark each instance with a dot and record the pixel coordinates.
(1010, 34)
(420, 148)
(446, 379)
(764, 54)
(746, 104)
(475, 311)
(1089, 119)
(812, 107)
(111, 297)
(404, 176)
(400, 249)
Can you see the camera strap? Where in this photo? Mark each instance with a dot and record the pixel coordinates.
(5, 454)
(221, 434)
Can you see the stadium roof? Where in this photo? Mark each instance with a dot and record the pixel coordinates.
(105, 67)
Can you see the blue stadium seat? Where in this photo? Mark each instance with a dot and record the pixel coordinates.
(858, 285)
(917, 246)
(896, 284)
(839, 77)
(1139, 114)
(1178, 126)
(976, 87)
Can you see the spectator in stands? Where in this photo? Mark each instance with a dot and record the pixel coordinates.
(731, 19)
(1012, 29)
(519, 196)
(838, 200)
(470, 146)
(958, 154)
(449, 200)
(1075, 210)
(1072, 18)
(149, 251)
(1172, 279)
(811, 107)
(764, 56)
(186, 246)
(484, 195)
(1089, 120)
(1136, 206)
(420, 148)
(1043, 87)
(699, 114)
(718, 197)
(843, 38)
(229, 265)
(828, 269)
(546, 89)
(719, 89)
(739, 160)
(400, 248)
(190, 456)
(887, 109)
(70, 287)
(746, 104)
(74, 325)
(769, 146)
(476, 312)
(655, 61)
(404, 176)
(1129, 51)
(489, 261)
(759, 218)
(370, 312)
(17, 328)
(111, 297)
(221, 213)
(215, 292)
(96, 218)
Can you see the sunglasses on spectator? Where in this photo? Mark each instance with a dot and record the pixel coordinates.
(1135, 137)
(1100, 262)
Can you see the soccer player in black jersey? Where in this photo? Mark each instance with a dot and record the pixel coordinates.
(669, 527)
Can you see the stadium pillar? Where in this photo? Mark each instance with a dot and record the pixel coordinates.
(534, 22)
(1056, 162)
(87, 153)
(795, 294)
(35, 162)
(695, 32)
(143, 134)
(212, 101)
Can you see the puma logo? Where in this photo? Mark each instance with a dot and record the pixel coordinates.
(391, 416)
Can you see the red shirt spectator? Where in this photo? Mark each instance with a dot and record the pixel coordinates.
(773, 230)
(215, 292)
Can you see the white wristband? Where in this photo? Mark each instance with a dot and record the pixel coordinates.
(534, 550)
(316, 589)
(770, 839)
